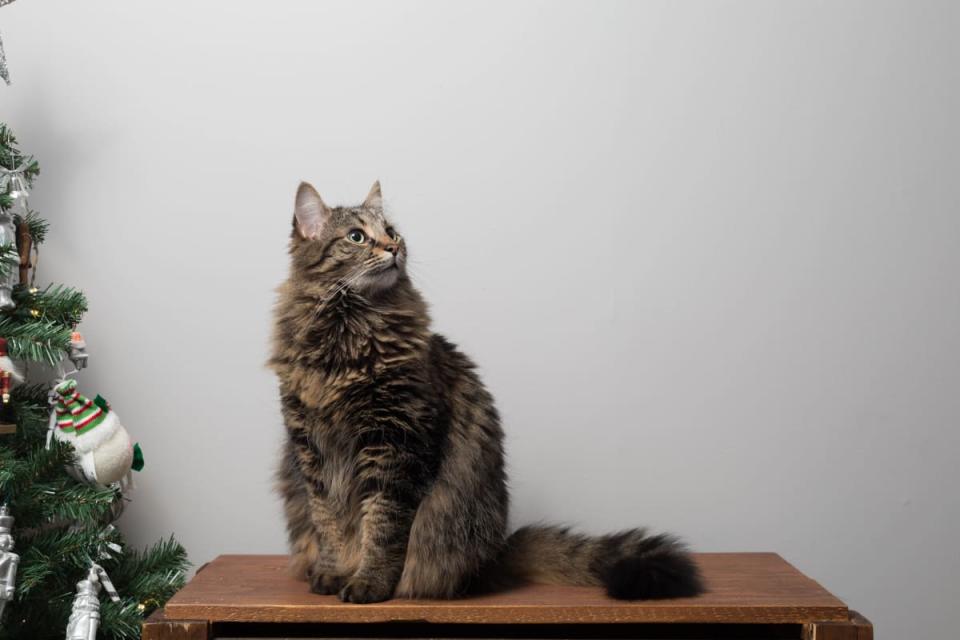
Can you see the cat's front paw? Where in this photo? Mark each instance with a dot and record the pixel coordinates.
(327, 584)
(366, 590)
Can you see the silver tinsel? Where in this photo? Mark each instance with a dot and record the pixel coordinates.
(4, 72)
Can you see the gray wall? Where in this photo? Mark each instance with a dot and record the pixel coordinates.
(706, 254)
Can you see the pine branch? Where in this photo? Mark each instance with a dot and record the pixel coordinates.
(121, 620)
(23, 471)
(31, 395)
(12, 158)
(67, 501)
(32, 415)
(37, 340)
(150, 577)
(10, 470)
(56, 303)
(163, 557)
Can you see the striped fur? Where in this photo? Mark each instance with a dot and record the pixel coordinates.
(392, 473)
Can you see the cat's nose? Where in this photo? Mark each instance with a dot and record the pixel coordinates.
(391, 248)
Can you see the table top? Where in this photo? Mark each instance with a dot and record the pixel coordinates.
(741, 588)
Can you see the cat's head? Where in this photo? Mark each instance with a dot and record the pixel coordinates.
(355, 247)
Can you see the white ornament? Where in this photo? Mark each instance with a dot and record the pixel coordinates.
(103, 446)
(106, 453)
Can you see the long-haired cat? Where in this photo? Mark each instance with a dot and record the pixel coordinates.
(392, 473)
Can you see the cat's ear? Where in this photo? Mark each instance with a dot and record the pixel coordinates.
(374, 199)
(309, 213)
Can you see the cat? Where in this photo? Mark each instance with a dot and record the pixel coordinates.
(392, 472)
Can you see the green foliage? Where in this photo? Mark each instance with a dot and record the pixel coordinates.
(40, 340)
(57, 303)
(62, 524)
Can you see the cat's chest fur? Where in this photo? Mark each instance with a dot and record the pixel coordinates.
(341, 370)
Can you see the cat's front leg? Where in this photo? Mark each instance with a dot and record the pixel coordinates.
(392, 477)
(386, 523)
(315, 538)
(325, 575)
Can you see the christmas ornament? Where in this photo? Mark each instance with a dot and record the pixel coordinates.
(85, 614)
(104, 450)
(8, 238)
(78, 351)
(8, 373)
(13, 182)
(8, 559)
(29, 254)
(4, 73)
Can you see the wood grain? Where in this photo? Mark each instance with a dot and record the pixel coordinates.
(855, 628)
(158, 627)
(756, 588)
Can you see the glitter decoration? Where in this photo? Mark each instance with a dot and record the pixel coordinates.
(4, 72)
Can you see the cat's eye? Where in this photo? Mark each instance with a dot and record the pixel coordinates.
(356, 236)
(393, 234)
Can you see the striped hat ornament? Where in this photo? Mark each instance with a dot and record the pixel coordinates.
(105, 452)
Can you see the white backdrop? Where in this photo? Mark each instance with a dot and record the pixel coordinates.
(705, 253)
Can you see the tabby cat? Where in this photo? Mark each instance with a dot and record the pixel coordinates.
(392, 472)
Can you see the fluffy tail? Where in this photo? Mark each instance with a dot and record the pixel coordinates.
(630, 565)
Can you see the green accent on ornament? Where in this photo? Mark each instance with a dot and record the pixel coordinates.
(137, 458)
(101, 402)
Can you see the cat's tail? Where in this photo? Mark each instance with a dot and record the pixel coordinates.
(630, 565)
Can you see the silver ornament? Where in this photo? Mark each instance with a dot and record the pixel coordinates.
(78, 351)
(85, 614)
(13, 182)
(9, 561)
(4, 73)
(8, 237)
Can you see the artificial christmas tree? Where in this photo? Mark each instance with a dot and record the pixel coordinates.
(60, 493)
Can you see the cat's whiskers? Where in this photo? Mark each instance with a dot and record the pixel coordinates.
(352, 278)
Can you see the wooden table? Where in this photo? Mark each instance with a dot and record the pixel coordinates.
(749, 595)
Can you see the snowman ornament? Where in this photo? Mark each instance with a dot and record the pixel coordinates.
(103, 446)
